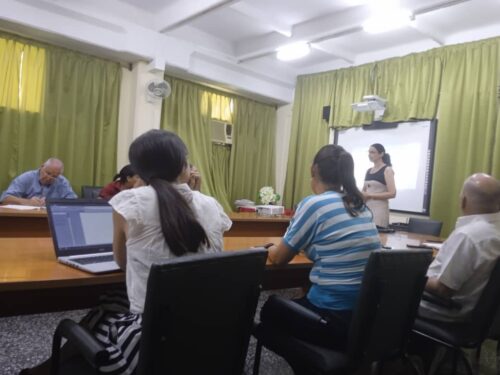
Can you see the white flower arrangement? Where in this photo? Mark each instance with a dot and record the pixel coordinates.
(267, 195)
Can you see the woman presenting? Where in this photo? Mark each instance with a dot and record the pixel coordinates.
(379, 184)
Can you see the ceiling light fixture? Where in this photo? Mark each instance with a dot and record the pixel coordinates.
(387, 20)
(387, 15)
(293, 51)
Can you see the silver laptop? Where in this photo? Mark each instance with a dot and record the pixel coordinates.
(82, 231)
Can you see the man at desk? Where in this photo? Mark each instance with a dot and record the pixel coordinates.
(33, 187)
(465, 261)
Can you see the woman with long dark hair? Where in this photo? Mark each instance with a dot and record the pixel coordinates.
(335, 230)
(379, 184)
(152, 223)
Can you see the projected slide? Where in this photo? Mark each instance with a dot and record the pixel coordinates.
(411, 146)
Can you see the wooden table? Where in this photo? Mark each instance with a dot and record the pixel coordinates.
(16, 223)
(249, 224)
(31, 280)
(34, 223)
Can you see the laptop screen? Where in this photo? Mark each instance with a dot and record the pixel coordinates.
(81, 227)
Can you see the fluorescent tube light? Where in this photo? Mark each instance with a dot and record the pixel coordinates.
(293, 51)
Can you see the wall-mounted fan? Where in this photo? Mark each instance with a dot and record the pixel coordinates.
(157, 90)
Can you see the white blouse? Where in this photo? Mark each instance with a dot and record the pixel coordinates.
(145, 242)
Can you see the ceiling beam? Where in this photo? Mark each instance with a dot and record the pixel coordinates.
(335, 51)
(428, 31)
(440, 5)
(263, 18)
(180, 12)
(313, 31)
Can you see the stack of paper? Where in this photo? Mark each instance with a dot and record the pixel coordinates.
(21, 208)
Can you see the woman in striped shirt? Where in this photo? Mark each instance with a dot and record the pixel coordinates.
(336, 231)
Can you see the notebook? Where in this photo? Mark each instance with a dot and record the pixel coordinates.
(82, 232)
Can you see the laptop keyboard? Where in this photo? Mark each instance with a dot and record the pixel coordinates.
(94, 259)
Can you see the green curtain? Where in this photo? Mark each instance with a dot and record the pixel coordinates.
(468, 135)
(458, 83)
(185, 113)
(228, 173)
(309, 132)
(221, 157)
(76, 119)
(411, 86)
(252, 155)
(351, 84)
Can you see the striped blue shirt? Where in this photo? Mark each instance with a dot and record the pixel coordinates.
(337, 243)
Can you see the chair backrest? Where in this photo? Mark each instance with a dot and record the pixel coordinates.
(425, 226)
(392, 285)
(483, 315)
(494, 331)
(199, 312)
(91, 192)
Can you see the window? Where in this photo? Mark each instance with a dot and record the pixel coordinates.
(22, 75)
(219, 107)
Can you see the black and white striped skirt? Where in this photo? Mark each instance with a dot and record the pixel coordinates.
(118, 330)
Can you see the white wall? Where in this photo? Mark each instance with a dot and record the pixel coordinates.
(283, 131)
(136, 114)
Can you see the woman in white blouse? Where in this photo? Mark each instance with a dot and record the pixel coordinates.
(152, 223)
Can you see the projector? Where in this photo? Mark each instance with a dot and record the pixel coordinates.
(361, 107)
(370, 103)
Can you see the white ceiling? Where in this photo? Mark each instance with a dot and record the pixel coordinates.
(243, 35)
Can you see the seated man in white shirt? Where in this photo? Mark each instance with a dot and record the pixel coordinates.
(464, 263)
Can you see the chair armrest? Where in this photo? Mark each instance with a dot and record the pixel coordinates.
(82, 340)
(441, 301)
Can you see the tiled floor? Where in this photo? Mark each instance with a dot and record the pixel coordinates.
(25, 341)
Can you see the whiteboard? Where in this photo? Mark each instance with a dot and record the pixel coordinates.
(411, 147)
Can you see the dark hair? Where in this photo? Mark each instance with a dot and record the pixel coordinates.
(336, 168)
(159, 157)
(386, 158)
(126, 171)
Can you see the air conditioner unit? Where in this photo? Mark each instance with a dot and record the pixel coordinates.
(222, 132)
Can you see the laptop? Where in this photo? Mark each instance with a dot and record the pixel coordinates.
(82, 232)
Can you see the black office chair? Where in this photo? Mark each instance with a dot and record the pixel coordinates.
(387, 305)
(425, 226)
(197, 319)
(472, 332)
(91, 192)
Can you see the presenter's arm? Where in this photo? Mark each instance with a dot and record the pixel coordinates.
(391, 187)
(280, 254)
(119, 240)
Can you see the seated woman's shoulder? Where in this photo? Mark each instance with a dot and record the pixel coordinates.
(205, 201)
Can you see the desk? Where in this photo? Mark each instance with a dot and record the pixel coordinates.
(31, 280)
(34, 223)
(16, 223)
(249, 224)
